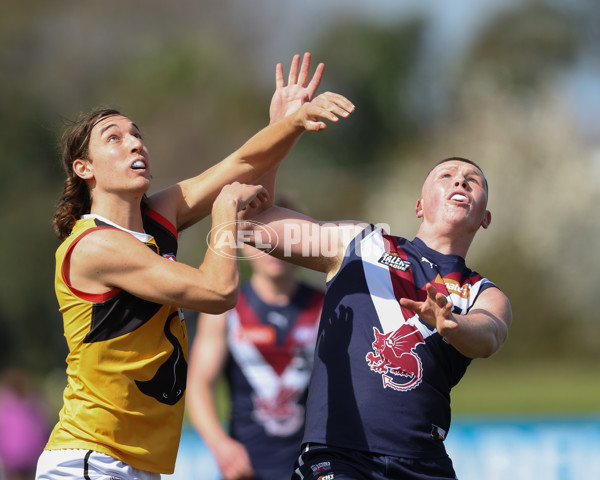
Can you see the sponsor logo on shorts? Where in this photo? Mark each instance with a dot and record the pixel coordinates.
(321, 467)
(438, 433)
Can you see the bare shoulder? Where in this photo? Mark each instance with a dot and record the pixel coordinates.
(102, 252)
(96, 245)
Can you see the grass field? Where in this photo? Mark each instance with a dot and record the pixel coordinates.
(561, 387)
(495, 386)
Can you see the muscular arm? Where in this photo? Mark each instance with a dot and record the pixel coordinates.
(478, 334)
(111, 258)
(207, 359)
(306, 242)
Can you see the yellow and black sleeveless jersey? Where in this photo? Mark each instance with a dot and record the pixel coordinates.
(126, 366)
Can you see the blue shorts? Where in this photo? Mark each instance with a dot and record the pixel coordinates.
(320, 462)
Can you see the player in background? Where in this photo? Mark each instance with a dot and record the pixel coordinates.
(120, 290)
(264, 347)
(402, 320)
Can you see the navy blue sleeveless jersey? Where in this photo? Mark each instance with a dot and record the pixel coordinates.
(270, 359)
(382, 378)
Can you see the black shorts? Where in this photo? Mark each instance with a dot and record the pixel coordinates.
(321, 462)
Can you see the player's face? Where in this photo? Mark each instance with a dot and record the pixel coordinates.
(455, 193)
(119, 160)
(266, 265)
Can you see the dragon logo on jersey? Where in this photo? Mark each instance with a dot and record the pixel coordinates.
(280, 414)
(394, 354)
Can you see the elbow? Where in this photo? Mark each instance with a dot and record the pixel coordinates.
(230, 299)
(492, 346)
(486, 353)
(225, 300)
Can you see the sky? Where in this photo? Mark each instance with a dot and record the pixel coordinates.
(293, 27)
(292, 24)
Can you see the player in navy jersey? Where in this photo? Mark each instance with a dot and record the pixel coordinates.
(401, 322)
(265, 349)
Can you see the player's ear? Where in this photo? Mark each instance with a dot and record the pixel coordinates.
(82, 168)
(419, 208)
(487, 219)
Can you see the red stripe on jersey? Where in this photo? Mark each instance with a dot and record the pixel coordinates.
(154, 215)
(278, 356)
(64, 269)
(403, 283)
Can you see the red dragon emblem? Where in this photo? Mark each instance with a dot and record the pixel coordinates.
(280, 414)
(394, 353)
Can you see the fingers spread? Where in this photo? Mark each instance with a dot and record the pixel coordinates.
(304, 69)
(316, 80)
(293, 76)
(279, 83)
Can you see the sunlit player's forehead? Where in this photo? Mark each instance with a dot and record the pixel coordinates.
(112, 121)
(454, 165)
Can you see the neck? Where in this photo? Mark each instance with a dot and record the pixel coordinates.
(274, 290)
(446, 242)
(127, 214)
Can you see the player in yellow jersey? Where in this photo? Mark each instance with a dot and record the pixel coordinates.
(120, 290)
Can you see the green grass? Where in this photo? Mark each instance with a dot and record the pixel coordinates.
(499, 387)
(561, 387)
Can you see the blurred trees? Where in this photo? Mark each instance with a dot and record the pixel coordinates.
(196, 96)
(506, 110)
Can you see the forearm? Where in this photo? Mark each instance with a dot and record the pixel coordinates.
(478, 334)
(255, 161)
(264, 151)
(204, 416)
(220, 265)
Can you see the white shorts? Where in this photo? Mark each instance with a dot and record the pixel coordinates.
(88, 465)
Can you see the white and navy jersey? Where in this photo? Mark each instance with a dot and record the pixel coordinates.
(382, 378)
(271, 350)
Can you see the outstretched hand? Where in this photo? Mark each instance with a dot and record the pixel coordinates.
(328, 106)
(435, 310)
(288, 99)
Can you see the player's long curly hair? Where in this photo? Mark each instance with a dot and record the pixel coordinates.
(76, 200)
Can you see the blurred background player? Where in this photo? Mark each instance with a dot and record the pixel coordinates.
(265, 347)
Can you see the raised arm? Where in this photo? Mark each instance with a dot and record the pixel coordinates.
(478, 334)
(189, 201)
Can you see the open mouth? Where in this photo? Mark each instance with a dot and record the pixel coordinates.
(139, 165)
(459, 197)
